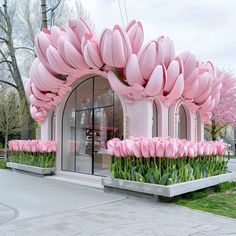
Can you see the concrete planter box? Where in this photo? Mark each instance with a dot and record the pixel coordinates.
(167, 191)
(32, 169)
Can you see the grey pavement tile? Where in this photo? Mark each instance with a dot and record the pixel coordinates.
(98, 213)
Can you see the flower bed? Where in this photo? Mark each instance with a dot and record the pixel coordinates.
(166, 161)
(33, 152)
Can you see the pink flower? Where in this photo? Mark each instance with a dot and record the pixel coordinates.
(91, 52)
(130, 147)
(115, 47)
(145, 149)
(221, 148)
(171, 150)
(123, 148)
(152, 147)
(137, 149)
(160, 149)
(149, 57)
(134, 31)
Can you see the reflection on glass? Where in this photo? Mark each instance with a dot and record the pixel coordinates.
(84, 140)
(53, 126)
(154, 120)
(118, 118)
(103, 95)
(103, 131)
(68, 134)
(182, 123)
(84, 95)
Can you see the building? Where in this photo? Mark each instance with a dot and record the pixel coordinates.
(81, 103)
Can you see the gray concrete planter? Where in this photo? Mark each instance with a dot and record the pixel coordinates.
(32, 169)
(167, 191)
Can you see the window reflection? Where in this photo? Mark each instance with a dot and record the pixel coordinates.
(182, 123)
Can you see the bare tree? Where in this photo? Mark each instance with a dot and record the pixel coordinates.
(10, 122)
(9, 60)
(17, 32)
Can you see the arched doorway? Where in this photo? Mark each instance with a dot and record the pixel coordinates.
(92, 115)
(181, 123)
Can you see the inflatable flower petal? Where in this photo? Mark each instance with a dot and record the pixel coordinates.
(134, 31)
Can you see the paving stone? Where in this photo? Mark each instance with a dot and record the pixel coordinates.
(97, 213)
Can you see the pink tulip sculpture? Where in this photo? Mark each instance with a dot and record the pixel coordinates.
(134, 70)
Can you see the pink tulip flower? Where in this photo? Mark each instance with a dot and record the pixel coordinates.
(145, 149)
(91, 52)
(149, 57)
(168, 50)
(134, 31)
(160, 150)
(137, 149)
(221, 148)
(115, 47)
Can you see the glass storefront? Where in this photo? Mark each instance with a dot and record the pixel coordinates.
(92, 115)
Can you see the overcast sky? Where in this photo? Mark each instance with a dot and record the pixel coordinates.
(205, 27)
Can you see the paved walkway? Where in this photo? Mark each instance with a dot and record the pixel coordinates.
(47, 207)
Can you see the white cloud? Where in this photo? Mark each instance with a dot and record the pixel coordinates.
(205, 27)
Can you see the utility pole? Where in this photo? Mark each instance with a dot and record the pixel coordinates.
(52, 9)
(44, 14)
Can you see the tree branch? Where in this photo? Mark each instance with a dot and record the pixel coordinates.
(10, 84)
(30, 49)
(208, 130)
(5, 61)
(220, 128)
(8, 65)
(4, 40)
(5, 31)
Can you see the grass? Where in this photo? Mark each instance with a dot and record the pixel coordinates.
(220, 200)
(231, 156)
(2, 164)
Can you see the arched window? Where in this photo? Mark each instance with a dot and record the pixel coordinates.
(181, 123)
(92, 115)
(53, 126)
(199, 128)
(154, 120)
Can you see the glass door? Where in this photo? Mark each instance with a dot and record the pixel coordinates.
(84, 141)
(92, 116)
(103, 132)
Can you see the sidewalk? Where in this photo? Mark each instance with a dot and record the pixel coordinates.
(48, 207)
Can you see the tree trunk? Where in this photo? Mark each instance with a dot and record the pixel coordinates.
(27, 121)
(15, 72)
(5, 146)
(213, 130)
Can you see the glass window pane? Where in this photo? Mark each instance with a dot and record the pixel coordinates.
(118, 118)
(84, 95)
(154, 120)
(84, 138)
(182, 123)
(103, 131)
(68, 135)
(103, 95)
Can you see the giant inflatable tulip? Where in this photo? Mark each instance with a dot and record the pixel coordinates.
(134, 70)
